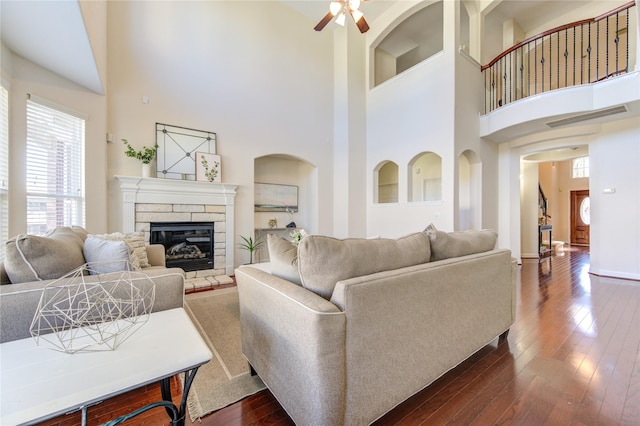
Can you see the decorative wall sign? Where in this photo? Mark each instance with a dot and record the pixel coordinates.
(208, 167)
(177, 148)
(269, 197)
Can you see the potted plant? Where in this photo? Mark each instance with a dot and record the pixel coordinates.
(145, 155)
(250, 245)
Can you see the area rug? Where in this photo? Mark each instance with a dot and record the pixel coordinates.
(225, 379)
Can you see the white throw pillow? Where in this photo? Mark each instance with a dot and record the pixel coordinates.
(283, 255)
(137, 248)
(104, 256)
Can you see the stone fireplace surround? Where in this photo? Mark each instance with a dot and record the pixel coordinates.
(146, 200)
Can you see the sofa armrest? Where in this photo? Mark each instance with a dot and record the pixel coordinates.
(156, 255)
(294, 339)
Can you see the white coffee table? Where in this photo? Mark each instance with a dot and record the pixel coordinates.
(37, 383)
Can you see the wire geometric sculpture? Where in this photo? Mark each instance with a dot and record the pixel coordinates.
(84, 311)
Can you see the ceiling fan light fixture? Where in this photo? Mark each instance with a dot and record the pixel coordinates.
(357, 15)
(354, 5)
(340, 19)
(335, 7)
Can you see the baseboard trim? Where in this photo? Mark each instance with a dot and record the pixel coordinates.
(616, 274)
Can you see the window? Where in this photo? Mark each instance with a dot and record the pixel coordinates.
(4, 169)
(581, 167)
(55, 167)
(585, 211)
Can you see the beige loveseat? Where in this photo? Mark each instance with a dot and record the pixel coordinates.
(371, 322)
(37, 261)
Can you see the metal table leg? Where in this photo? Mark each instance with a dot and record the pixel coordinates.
(177, 414)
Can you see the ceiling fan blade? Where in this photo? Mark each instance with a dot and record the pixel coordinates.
(324, 21)
(361, 24)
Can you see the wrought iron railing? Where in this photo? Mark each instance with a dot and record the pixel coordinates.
(578, 53)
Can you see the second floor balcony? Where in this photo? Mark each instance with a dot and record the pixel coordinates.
(582, 71)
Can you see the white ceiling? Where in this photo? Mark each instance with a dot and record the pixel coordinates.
(532, 14)
(51, 34)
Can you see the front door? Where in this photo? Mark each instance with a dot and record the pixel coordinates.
(580, 217)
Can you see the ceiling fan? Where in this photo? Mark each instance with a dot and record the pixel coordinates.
(339, 9)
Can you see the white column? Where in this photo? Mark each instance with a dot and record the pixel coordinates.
(129, 190)
(229, 236)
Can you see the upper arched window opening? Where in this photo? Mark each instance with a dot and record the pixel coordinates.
(386, 190)
(425, 177)
(412, 41)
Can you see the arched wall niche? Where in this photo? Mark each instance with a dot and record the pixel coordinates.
(413, 37)
(385, 180)
(424, 180)
(284, 169)
(469, 191)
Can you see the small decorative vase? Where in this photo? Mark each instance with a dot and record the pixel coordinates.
(146, 170)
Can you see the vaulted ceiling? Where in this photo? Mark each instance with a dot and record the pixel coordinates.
(53, 35)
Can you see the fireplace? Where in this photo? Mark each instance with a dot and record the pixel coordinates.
(188, 245)
(151, 200)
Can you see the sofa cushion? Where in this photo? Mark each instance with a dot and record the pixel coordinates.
(445, 245)
(106, 256)
(283, 256)
(323, 261)
(136, 243)
(33, 258)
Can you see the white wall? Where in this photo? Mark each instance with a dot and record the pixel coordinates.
(26, 77)
(409, 114)
(349, 134)
(615, 228)
(253, 72)
(431, 107)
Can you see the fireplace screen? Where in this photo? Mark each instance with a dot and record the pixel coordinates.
(188, 245)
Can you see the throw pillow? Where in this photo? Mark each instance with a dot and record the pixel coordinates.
(323, 261)
(136, 243)
(283, 256)
(34, 258)
(445, 245)
(106, 256)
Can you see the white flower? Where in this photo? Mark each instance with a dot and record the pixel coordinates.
(297, 236)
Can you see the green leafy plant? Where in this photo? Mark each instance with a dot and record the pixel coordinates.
(145, 155)
(250, 245)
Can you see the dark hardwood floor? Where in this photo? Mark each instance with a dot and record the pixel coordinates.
(571, 358)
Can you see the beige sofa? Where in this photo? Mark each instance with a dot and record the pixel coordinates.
(19, 301)
(393, 321)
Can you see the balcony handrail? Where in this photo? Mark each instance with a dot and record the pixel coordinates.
(573, 54)
(557, 30)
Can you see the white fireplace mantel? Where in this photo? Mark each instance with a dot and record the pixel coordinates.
(138, 190)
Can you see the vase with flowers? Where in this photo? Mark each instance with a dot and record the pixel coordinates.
(146, 155)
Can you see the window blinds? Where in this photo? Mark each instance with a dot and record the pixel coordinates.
(55, 168)
(4, 169)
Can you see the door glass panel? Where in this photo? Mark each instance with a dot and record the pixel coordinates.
(585, 211)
